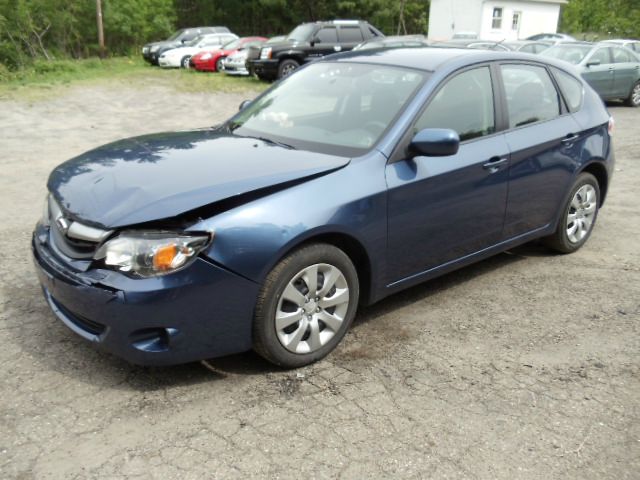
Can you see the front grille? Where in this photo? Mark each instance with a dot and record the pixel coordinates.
(73, 248)
(72, 238)
(89, 326)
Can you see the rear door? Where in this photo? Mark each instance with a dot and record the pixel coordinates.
(350, 36)
(542, 137)
(443, 208)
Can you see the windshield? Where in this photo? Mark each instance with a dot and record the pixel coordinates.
(301, 33)
(569, 53)
(175, 35)
(232, 45)
(346, 107)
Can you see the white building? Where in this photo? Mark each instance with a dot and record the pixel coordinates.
(493, 19)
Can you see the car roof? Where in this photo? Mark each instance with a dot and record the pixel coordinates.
(431, 59)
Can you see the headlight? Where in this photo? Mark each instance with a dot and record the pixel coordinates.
(265, 53)
(154, 48)
(206, 56)
(150, 254)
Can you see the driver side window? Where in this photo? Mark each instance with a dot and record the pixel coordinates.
(463, 104)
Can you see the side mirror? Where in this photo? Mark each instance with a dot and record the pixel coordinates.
(314, 40)
(244, 104)
(435, 142)
(593, 63)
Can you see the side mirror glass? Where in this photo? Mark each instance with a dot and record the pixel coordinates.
(435, 142)
(244, 104)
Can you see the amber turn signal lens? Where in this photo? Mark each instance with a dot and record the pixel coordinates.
(164, 256)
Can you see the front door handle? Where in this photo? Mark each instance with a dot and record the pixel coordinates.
(493, 165)
(569, 139)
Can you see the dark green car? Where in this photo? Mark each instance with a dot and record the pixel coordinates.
(613, 71)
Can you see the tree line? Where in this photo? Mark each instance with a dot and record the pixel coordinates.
(46, 29)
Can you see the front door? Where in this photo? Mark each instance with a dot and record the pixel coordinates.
(444, 208)
(598, 72)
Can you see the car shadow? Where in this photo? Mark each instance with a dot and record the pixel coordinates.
(36, 332)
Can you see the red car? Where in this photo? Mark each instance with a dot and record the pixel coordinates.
(211, 61)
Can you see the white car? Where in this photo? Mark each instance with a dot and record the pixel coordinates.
(180, 57)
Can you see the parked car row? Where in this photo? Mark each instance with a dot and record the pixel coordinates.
(611, 67)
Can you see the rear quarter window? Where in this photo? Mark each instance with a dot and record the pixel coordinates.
(571, 88)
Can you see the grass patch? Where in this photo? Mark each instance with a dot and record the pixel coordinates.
(44, 79)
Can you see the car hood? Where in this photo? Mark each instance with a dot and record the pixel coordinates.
(161, 176)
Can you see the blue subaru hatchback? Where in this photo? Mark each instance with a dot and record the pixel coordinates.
(358, 176)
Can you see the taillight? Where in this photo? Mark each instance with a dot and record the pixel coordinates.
(612, 124)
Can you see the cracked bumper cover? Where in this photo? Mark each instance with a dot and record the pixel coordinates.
(200, 312)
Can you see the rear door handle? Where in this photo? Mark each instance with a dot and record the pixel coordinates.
(494, 163)
(569, 139)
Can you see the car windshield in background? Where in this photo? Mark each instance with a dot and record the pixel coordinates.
(569, 53)
(338, 108)
(232, 45)
(175, 35)
(301, 33)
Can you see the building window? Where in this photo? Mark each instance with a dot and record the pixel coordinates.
(515, 23)
(496, 21)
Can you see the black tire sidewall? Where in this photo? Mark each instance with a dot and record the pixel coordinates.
(562, 237)
(264, 331)
(219, 64)
(283, 65)
(630, 98)
(182, 61)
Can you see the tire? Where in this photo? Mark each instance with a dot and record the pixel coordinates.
(633, 100)
(287, 67)
(289, 328)
(184, 63)
(579, 215)
(219, 64)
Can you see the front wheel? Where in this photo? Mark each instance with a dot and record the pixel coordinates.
(305, 306)
(578, 217)
(633, 100)
(287, 67)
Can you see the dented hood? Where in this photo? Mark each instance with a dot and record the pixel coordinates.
(163, 175)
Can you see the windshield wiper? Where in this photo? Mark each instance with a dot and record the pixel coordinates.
(274, 142)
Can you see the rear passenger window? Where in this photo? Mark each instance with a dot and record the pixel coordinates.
(531, 95)
(571, 89)
(463, 104)
(351, 35)
(620, 55)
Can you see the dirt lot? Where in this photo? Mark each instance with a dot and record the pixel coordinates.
(523, 366)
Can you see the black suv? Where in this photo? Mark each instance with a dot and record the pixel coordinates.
(151, 51)
(308, 42)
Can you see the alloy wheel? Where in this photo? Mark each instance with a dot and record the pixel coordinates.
(635, 94)
(581, 213)
(312, 308)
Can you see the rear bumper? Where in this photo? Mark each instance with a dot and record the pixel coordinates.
(201, 312)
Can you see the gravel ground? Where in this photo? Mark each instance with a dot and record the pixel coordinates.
(522, 366)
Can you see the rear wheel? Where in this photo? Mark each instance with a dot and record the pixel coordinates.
(633, 99)
(306, 306)
(184, 63)
(579, 216)
(287, 67)
(219, 64)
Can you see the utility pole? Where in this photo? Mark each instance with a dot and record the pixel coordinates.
(100, 28)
